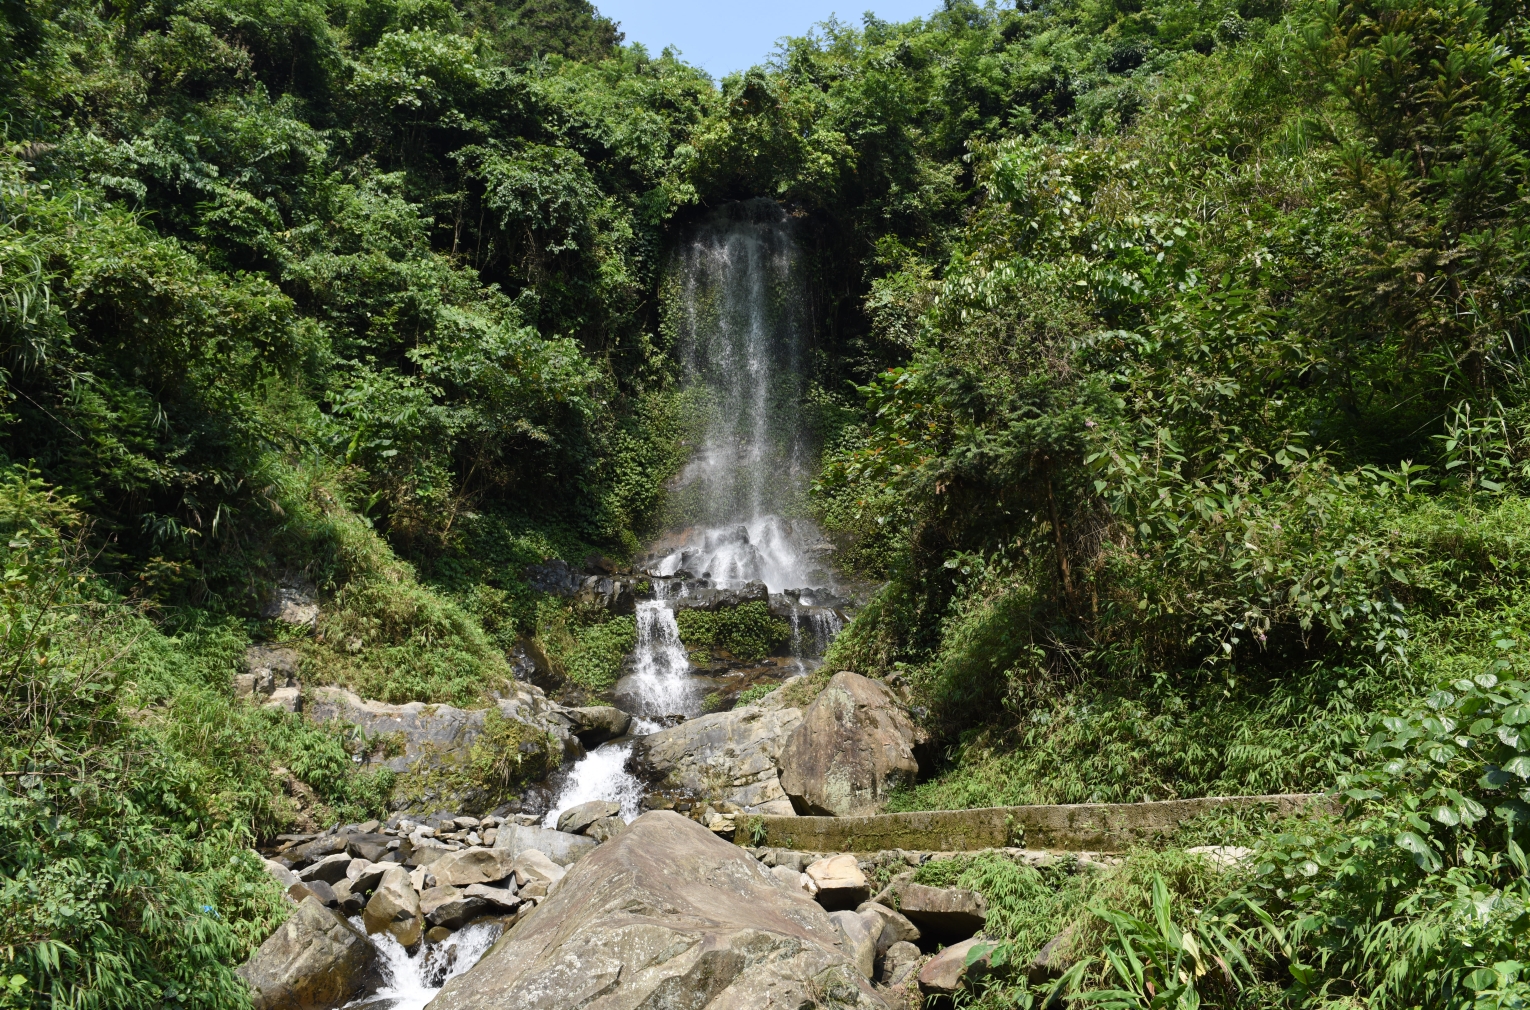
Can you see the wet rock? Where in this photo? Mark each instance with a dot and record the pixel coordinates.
(723, 756)
(555, 576)
(596, 724)
(666, 914)
(724, 599)
(437, 934)
(395, 907)
(315, 958)
(840, 882)
(576, 819)
(473, 866)
(559, 846)
(946, 972)
(858, 942)
(450, 906)
(855, 745)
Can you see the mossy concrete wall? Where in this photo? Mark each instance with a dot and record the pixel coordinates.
(1082, 827)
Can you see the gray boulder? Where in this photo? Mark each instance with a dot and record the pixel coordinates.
(946, 913)
(559, 846)
(473, 866)
(330, 869)
(450, 906)
(948, 970)
(728, 756)
(858, 942)
(893, 927)
(395, 907)
(371, 847)
(899, 963)
(315, 958)
(854, 746)
(666, 915)
(598, 723)
(576, 819)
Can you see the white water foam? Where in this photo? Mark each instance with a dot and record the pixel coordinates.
(600, 775)
(660, 685)
(410, 982)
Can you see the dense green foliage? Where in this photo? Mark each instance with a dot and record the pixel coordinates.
(744, 632)
(1166, 366)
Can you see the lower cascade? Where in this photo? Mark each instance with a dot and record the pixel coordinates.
(410, 981)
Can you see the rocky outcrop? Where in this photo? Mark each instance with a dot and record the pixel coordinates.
(600, 590)
(315, 958)
(431, 732)
(708, 598)
(855, 744)
(666, 914)
(596, 724)
(724, 756)
(426, 743)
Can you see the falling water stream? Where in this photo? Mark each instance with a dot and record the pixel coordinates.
(737, 304)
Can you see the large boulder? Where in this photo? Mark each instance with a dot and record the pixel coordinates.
(724, 756)
(576, 820)
(561, 847)
(840, 882)
(395, 907)
(855, 745)
(315, 958)
(666, 914)
(472, 866)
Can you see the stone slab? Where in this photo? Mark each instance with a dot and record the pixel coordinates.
(1093, 827)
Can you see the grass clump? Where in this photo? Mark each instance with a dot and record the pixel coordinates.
(746, 632)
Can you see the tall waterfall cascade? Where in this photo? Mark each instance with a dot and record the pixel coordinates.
(736, 303)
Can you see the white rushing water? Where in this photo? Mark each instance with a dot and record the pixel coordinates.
(741, 318)
(410, 982)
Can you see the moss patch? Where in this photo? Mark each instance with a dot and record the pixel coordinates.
(504, 756)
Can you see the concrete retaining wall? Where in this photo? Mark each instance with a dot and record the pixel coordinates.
(1092, 827)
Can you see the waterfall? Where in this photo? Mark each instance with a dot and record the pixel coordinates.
(411, 981)
(738, 309)
(660, 686)
(735, 299)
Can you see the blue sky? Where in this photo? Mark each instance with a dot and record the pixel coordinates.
(722, 36)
